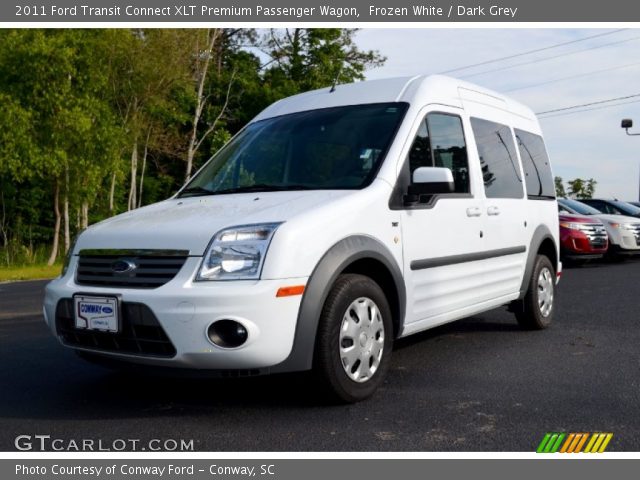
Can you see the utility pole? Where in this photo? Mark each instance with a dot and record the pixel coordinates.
(627, 123)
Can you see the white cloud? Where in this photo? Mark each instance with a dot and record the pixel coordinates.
(590, 144)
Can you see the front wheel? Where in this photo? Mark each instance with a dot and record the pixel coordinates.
(535, 311)
(354, 339)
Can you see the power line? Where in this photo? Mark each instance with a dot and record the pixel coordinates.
(551, 57)
(573, 112)
(586, 74)
(599, 102)
(528, 52)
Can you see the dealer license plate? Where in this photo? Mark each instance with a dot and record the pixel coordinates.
(96, 313)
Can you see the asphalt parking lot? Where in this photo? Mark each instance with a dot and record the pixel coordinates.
(479, 384)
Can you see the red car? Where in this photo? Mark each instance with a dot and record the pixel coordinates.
(581, 237)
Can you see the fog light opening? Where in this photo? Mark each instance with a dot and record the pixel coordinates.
(227, 333)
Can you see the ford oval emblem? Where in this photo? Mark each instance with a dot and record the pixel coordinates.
(123, 266)
(107, 310)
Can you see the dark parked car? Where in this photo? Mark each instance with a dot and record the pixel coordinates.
(613, 207)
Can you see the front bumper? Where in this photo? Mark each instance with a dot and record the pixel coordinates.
(185, 309)
(576, 244)
(629, 242)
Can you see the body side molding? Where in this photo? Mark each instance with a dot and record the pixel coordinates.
(466, 257)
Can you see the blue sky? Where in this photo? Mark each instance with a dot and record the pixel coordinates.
(589, 144)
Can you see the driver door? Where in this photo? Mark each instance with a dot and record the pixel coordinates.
(442, 232)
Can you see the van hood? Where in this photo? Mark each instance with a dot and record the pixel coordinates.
(190, 223)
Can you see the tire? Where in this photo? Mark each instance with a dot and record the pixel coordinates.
(535, 311)
(348, 333)
(613, 254)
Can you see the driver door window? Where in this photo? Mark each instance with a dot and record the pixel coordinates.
(440, 143)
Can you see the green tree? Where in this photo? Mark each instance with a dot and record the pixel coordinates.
(305, 59)
(226, 90)
(95, 121)
(55, 77)
(150, 73)
(582, 189)
(560, 192)
(590, 188)
(576, 187)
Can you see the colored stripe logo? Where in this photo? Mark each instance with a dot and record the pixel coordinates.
(574, 442)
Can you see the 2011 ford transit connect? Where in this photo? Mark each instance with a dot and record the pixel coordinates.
(334, 223)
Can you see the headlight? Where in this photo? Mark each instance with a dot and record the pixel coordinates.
(237, 253)
(571, 226)
(623, 226)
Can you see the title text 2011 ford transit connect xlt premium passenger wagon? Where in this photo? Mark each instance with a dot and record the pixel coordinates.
(335, 222)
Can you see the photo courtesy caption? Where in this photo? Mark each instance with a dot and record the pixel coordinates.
(124, 469)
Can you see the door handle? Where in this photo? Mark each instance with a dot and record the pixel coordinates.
(493, 211)
(474, 212)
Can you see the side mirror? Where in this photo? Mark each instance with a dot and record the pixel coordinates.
(431, 180)
(627, 123)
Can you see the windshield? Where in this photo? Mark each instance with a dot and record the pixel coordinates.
(332, 148)
(578, 207)
(626, 207)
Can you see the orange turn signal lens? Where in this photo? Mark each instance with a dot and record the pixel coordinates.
(290, 291)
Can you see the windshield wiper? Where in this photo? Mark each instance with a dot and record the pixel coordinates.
(261, 187)
(195, 192)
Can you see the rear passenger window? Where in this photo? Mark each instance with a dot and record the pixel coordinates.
(500, 167)
(535, 163)
(440, 143)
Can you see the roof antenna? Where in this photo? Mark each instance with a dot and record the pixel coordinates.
(335, 81)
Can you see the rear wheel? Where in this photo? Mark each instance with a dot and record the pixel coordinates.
(535, 311)
(354, 340)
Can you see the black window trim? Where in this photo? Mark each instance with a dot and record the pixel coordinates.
(403, 181)
(543, 198)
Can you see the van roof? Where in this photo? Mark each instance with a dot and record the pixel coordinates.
(421, 89)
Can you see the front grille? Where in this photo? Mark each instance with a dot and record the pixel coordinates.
(595, 232)
(151, 268)
(635, 228)
(141, 333)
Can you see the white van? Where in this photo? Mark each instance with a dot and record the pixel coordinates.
(335, 222)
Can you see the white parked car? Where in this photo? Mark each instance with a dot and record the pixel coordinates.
(623, 231)
(334, 223)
